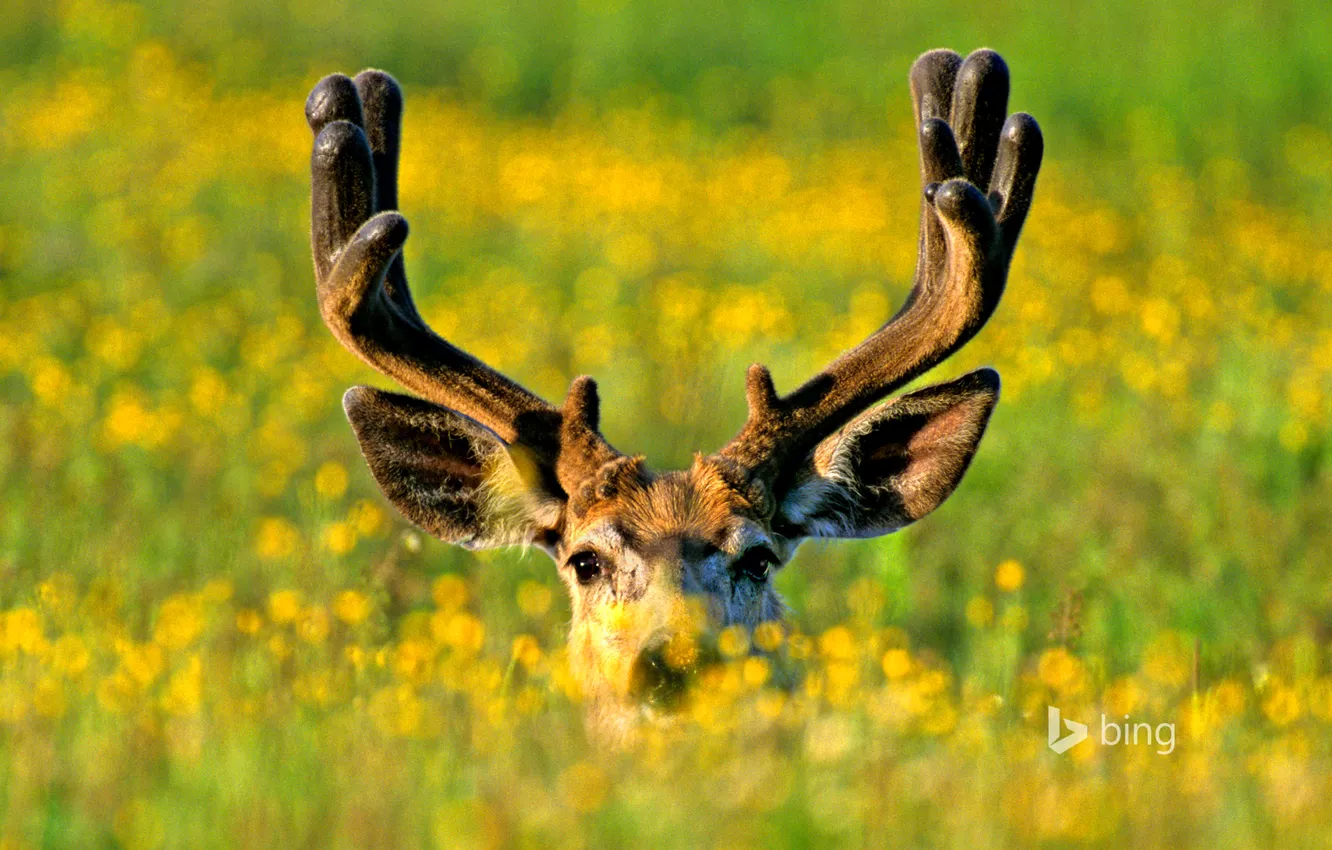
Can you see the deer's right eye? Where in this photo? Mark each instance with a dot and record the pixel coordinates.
(586, 565)
(755, 564)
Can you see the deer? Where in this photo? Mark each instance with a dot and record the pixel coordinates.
(476, 460)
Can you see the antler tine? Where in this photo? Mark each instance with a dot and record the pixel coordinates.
(582, 448)
(967, 240)
(357, 240)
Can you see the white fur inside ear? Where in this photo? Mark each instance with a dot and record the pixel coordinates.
(808, 505)
(512, 498)
(894, 463)
(825, 499)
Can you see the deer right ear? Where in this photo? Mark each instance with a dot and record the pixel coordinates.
(893, 464)
(449, 474)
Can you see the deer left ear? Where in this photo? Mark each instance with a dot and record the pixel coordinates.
(893, 464)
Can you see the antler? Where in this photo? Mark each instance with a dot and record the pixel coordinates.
(966, 242)
(357, 238)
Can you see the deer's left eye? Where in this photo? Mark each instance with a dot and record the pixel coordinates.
(755, 564)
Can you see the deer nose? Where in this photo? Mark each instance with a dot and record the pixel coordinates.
(663, 671)
(656, 681)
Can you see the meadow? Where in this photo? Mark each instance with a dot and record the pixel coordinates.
(214, 631)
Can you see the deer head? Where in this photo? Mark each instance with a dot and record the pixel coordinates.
(477, 460)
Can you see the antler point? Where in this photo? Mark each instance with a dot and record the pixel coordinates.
(582, 406)
(760, 392)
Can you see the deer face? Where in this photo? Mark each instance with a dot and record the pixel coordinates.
(651, 559)
(478, 461)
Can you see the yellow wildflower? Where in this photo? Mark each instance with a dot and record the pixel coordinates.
(366, 517)
(184, 691)
(1009, 575)
(284, 606)
(755, 671)
(180, 621)
(896, 663)
(980, 611)
(534, 598)
(449, 592)
(249, 621)
(460, 631)
(838, 643)
(217, 590)
(143, 662)
(351, 607)
(1058, 668)
(313, 625)
(277, 538)
(330, 480)
(681, 650)
(1283, 705)
(768, 636)
(339, 537)
(733, 641)
(526, 651)
(21, 629)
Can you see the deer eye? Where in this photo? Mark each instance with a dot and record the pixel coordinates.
(755, 563)
(586, 565)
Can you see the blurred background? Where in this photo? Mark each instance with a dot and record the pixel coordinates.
(212, 619)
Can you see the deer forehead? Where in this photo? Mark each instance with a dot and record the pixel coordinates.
(674, 515)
